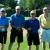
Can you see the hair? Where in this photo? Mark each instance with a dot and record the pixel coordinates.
(17, 7)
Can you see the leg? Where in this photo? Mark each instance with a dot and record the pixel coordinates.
(1, 41)
(10, 46)
(29, 48)
(19, 38)
(18, 46)
(37, 47)
(49, 45)
(44, 46)
(2, 46)
(36, 40)
(12, 38)
(4, 40)
(29, 39)
(5, 37)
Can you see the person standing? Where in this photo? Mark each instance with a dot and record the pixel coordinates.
(32, 25)
(4, 23)
(45, 25)
(17, 23)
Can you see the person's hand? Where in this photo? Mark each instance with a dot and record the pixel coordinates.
(19, 29)
(29, 28)
(2, 26)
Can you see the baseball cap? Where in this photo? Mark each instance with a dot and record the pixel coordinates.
(2, 10)
(44, 9)
(33, 12)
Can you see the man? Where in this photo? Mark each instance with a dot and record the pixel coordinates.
(17, 23)
(32, 26)
(45, 25)
(4, 22)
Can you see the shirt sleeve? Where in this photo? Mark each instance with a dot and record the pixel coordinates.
(12, 20)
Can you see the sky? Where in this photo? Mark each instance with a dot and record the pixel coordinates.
(18, 1)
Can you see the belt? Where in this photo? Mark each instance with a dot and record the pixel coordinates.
(46, 28)
(17, 28)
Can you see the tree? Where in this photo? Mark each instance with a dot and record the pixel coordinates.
(28, 4)
(31, 4)
(12, 4)
(1, 1)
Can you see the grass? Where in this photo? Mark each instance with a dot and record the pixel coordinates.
(23, 45)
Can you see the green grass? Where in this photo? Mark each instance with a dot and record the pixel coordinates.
(23, 45)
(26, 18)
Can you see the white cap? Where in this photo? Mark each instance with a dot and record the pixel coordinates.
(33, 11)
(45, 8)
(17, 7)
(2, 10)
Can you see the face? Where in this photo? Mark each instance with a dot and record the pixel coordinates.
(2, 13)
(32, 15)
(18, 11)
(45, 11)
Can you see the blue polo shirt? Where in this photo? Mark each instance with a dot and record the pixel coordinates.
(33, 24)
(17, 20)
(4, 22)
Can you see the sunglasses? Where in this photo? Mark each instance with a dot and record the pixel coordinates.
(32, 13)
(3, 11)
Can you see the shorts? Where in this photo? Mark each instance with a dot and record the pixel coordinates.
(16, 33)
(33, 38)
(3, 37)
(45, 35)
(40, 33)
